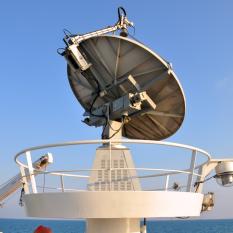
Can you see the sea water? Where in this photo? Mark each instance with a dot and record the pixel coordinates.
(179, 226)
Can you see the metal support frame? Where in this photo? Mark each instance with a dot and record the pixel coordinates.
(167, 182)
(31, 171)
(127, 105)
(74, 54)
(24, 179)
(204, 171)
(121, 24)
(62, 184)
(192, 169)
(116, 141)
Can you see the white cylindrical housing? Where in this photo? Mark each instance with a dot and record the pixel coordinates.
(224, 173)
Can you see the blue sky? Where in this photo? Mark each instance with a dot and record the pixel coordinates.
(37, 104)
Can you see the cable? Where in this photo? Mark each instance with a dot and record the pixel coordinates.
(67, 33)
(95, 115)
(117, 131)
(95, 99)
(61, 53)
(134, 30)
(196, 184)
(92, 105)
(121, 10)
(21, 196)
(112, 127)
(105, 125)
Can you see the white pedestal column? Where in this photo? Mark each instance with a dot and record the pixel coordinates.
(114, 225)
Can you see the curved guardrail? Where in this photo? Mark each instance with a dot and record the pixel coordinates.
(67, 173)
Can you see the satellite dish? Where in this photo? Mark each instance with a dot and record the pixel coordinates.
(118, 66)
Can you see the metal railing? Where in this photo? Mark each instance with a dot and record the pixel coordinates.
(166, 173)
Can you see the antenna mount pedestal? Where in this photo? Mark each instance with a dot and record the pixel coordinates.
(113, 130)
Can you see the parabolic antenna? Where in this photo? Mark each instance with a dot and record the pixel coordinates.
(118, 66)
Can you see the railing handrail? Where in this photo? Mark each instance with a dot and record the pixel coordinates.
(168, 172)
(110, 141)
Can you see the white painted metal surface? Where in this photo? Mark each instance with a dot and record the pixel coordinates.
(31, 171)
(119, 225)
(114, 204)
(110, 171)
(110, 203)
(192, 168)
(224, 167)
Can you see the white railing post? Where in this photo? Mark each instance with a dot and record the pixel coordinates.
(191, 170)
(62, 184)
(167, 182)
(24, 179)
(31, 171)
